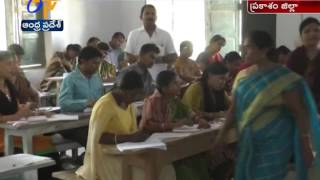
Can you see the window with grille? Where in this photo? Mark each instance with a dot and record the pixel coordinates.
(199, 20)
(32, 42)
(224, 17)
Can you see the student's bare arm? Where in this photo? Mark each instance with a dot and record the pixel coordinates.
(109, 138)
(296, 105)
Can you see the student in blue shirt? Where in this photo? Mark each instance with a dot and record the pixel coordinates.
(147, 56)
(81, 89)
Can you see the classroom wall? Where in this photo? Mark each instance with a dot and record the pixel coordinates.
(35, 76)
(284, 28)
(3, 38)
(265, 22)
(288, 30)
(86, 18)
(81, 17)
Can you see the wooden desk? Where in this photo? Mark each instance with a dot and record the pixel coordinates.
(29, 130)
(23, 166)
(152, 160)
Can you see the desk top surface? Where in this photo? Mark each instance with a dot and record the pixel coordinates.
(112, 150)
(19, 163)
(83, 120)
(177, 148)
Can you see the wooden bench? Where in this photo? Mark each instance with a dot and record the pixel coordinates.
(66, 175)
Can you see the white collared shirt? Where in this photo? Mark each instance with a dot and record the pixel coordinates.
(138, 37)
(113, 55)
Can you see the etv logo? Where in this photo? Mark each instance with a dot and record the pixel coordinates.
(42, 24)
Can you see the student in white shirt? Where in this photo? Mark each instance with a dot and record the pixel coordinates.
(115, 50)
(150, 33)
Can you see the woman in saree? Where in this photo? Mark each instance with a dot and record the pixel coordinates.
(275, 116)
(305, 60)
(107, 71)
(187, 69)
(113, 121)
(163, 111)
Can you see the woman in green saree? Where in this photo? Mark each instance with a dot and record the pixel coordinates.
(275, 116)
(163, 111)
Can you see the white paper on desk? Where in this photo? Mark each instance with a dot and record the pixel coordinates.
(141, 145)
(29, 120)
(63, 117)
(39, 119)
(166, 135)
(20, 160)
(49, 109)
(155, 141)
(216, 125)
(187, 129)
(35, 118)
(18, 123)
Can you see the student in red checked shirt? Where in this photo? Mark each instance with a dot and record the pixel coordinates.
(211, 54)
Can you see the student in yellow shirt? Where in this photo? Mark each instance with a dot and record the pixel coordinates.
(113, 121)
(208, 97)
(209, 100)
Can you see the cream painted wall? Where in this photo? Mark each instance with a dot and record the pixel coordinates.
(86, 18)
(3, 38)
(288, 29)
(184, 20)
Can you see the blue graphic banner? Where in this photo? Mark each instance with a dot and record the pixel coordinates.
(42, 25)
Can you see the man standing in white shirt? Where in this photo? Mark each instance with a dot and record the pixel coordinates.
(150, 33)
